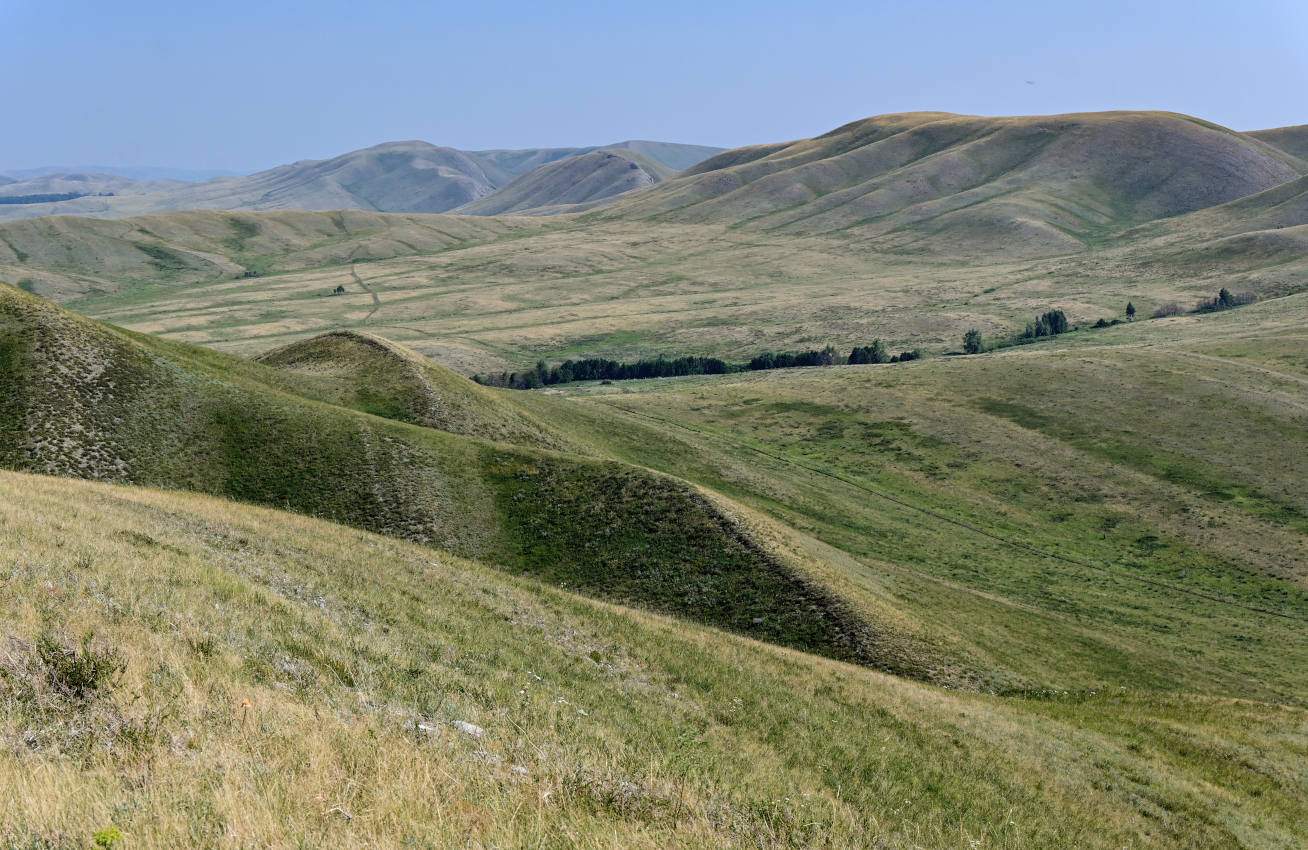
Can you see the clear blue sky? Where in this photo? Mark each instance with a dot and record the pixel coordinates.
(247, 85)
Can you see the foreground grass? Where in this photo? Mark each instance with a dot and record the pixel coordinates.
(285, 682)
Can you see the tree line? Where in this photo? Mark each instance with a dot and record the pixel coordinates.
(48, 198)
(602, 369)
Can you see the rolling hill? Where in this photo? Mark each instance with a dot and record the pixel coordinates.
(410, 176)
(1292, 140)
(508, 164)
(1037, 185)
(366, 372)
(579, 180)
(1096, 544)
(87, 401)
(336, 594)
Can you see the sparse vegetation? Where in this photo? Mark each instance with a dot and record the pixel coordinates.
(1224, 300)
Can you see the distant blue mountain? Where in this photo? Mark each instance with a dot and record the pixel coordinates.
(132, 172)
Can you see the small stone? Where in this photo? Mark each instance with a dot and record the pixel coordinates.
(469, 728)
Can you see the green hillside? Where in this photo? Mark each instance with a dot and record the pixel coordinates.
(257, 678)
(375, 375)
(1081, 560)
(1115, 506)
(86, 401)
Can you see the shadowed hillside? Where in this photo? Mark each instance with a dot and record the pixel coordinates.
(576, 180)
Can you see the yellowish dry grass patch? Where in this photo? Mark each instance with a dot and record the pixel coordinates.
(361, 656)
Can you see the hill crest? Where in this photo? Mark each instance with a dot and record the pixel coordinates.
(1039, 185)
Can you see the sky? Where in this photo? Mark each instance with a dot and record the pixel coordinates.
(242, 86)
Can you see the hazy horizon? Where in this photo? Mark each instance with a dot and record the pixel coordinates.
(153, 85)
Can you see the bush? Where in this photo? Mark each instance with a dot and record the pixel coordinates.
(1171, 308)
(874, 353)
(107, 838)
(78, 673)
(1051, 323)
(1225, 301)
(972, 342)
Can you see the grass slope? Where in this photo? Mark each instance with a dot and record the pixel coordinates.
(1041, 185)
(1118, 508)
(256, 678)
(587, 179)
(86, 401)
(1292, 140)
(368, 373)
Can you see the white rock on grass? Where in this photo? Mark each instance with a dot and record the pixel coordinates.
(469, 728)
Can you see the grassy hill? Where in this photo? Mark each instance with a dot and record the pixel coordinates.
(508, 164)
(1037, 185)
(371, 603)
(256, 682)
(1292, 140)
(1109, 498)
(372, 374)
(1083, 559)
(578, 180)
(84, 400)
(874, 490)
(397, 176)
(410, 176)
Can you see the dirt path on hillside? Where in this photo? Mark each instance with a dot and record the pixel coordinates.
(1250, 366)
(376, 302)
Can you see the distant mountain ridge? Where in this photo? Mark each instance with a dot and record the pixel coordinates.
(406, 176)
(131, 172)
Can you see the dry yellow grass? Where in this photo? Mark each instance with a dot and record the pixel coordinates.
(632, 730)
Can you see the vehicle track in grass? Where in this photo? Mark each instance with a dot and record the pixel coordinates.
(1007, 541)
(376, 302)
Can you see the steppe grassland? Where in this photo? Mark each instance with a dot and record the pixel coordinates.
(631, 729)
(578, 288)
(1139, 463)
